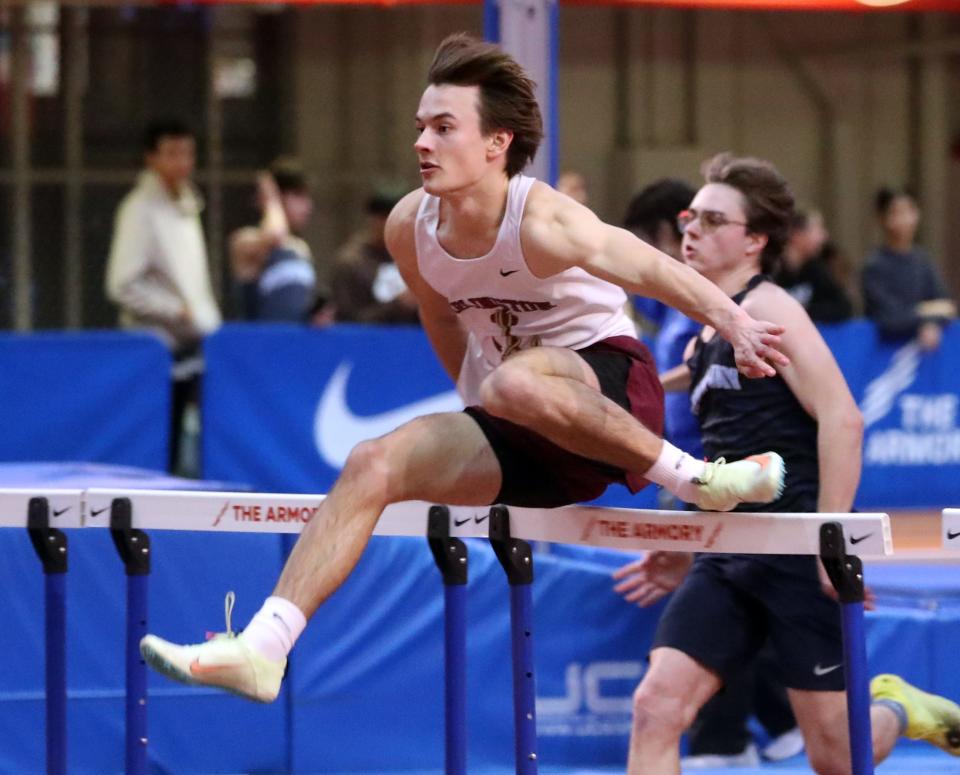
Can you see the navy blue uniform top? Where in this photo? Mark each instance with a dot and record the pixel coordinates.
(778, 595)
(740, 416)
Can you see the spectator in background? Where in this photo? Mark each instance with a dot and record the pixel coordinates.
(367, 287)
(902, 291)
(157, 272)
(805, 274)
(574, 185)
(271, 264)
(643, 219)
(719, 736)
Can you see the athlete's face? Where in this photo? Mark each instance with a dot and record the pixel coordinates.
(452, 150)
(715, 238)
(901, 219)
(298, 207)
(173, 160)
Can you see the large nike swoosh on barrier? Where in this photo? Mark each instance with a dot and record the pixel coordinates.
(337, 430)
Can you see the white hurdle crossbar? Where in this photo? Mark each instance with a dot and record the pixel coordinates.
(628, 529)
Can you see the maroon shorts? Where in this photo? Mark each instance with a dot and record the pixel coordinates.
(537, 472)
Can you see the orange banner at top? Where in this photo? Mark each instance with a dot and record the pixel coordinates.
(744, 5)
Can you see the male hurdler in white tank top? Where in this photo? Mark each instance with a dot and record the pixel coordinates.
(519, 293)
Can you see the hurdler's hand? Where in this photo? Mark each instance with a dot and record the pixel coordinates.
(755, 346)
(652, 577)
(869, 597)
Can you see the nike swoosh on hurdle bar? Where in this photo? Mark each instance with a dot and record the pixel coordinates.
(951, 535)
(857, 539)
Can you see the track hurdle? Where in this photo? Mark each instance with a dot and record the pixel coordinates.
(837, 538)
(45, 515)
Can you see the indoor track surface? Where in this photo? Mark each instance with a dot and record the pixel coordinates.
(906, 760)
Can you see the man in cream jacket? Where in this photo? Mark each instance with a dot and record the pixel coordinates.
(157, 272)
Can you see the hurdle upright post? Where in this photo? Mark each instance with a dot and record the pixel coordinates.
(846, 575)
(50, 544)
(133, 547)
(450, 555)
(516, 557)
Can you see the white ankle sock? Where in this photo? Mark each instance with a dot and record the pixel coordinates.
(275, 628)
(675, 471)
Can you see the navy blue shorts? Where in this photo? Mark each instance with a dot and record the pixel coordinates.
(730, 605)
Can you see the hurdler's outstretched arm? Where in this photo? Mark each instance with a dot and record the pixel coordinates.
(557, 233)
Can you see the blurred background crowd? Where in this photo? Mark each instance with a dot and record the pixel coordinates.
(323, 97)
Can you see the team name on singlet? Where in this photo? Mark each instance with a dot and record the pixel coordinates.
(489, 302)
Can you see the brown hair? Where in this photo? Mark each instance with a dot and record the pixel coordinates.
(289, 175)
(767, 198)
(886, 196)
(507, 98)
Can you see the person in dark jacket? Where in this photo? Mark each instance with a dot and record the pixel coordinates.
(903, 292)
(367, 286)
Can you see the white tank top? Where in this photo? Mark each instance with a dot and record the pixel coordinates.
(503, 306)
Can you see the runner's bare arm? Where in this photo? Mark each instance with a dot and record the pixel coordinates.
(557, 234)
(816, 380)
(676, 379)
(447, 336)
(249, 246)
(679, 378)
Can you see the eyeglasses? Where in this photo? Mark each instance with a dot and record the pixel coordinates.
(710, 220)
